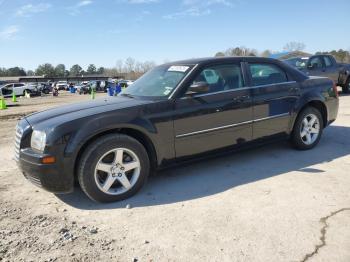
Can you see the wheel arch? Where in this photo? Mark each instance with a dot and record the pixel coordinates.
(316, 103)
(135, 133)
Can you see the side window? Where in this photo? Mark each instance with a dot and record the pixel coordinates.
(18, 85)
(221, 77)
(327, 61)
(315, 62)
(266, 74)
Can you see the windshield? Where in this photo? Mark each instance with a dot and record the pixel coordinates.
(297, 62)
(159, 82)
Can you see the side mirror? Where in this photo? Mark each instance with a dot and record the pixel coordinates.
(198, 88)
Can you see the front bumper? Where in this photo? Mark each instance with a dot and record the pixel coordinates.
(56, 178)
(51, 177)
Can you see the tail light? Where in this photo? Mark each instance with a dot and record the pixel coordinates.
(335, 90)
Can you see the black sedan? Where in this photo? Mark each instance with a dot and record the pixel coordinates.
(174, 113)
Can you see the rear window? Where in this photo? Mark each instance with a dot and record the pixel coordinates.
(266, 74)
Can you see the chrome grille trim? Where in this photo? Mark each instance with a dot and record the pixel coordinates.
(18, 137)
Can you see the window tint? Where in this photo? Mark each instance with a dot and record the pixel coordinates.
(316, 62)
(265, 74)
(221, 77)
(328, 61)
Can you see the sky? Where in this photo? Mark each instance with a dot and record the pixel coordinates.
(104, 31)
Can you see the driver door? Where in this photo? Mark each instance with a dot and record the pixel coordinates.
(316, 66)
(218, 118)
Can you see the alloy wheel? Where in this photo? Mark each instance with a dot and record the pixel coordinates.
(117, 171)
(310, 129)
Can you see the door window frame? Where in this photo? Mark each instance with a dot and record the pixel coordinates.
(324, 62)
(203, 67)
(250, 78)
(323, 65)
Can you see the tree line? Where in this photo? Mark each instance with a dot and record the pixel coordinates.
(132, 69)
(129, 67)
(340, 55)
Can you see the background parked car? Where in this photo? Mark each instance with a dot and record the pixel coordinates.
(325, 65)
(98, 86)
(18, 89)
(44, 88)
(125, 83)
(62, 85)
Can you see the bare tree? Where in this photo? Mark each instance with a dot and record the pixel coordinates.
(119, 66)
(147, 65)
(240, 51)
(219, 54)
(294, 46)
(130, 64)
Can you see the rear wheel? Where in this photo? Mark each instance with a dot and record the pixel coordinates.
(346, 87)
(113, 168)
(307, 129)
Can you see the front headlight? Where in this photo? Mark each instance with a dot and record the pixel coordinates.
(38, 140)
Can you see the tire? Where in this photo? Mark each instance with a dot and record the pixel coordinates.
(304, 137)
(346, 87)
(101, 155)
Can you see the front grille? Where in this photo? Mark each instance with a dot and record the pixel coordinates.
(18, 137)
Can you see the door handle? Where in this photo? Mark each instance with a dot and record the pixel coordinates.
(294, 89)
(241, 98)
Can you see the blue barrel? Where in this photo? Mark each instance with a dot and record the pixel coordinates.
(110, 91)
(72, 89)
(118, 89)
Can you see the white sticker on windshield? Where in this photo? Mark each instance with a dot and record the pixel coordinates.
(178, 68)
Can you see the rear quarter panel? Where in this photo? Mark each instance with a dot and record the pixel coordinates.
(317, 89)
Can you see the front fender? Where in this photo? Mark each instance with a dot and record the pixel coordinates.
(95, 127)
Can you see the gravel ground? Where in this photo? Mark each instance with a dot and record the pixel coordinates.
(267, 204)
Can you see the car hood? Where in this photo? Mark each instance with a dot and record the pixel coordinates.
(83, 109)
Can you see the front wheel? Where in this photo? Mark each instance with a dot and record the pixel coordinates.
(113, 168)
(307, 129)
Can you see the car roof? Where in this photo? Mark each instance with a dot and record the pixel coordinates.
(295, 73)
(206, 60)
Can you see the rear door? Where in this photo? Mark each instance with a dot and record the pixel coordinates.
(331, 69)
(216, 119)
(274, 95)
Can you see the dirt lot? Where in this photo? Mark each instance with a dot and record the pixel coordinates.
(266, 204)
